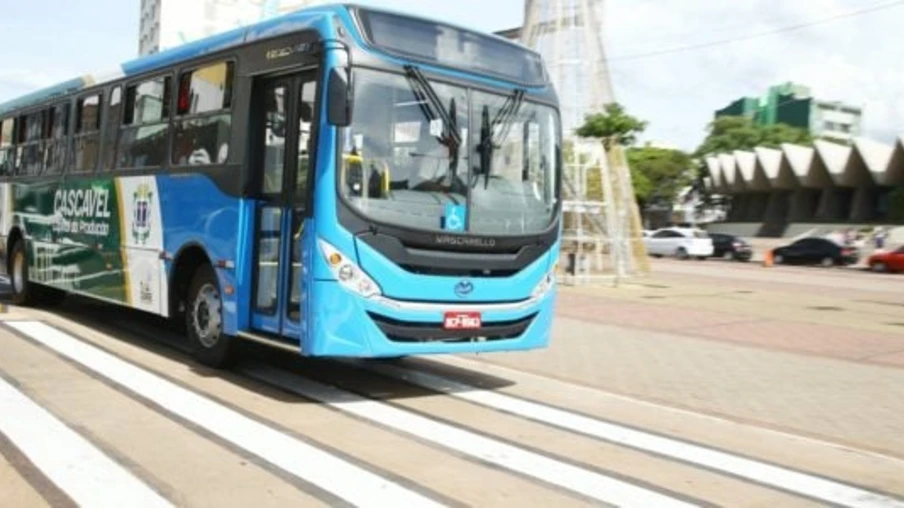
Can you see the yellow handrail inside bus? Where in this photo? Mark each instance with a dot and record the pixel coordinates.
(385, 176)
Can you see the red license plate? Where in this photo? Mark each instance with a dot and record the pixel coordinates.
(461, 320)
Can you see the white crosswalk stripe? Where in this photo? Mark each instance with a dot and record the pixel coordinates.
(582, 481)
(97, 475)
(83, 472)
(780, 477)
(337, 476)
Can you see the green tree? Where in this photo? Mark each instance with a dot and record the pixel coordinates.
(775, 135)
(730, 133)
(613, 126)
(659, 174)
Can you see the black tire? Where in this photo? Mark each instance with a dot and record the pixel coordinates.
(681, 253)
(204, 321)
(23, 292)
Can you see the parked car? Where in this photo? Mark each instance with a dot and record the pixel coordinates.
(731, 247)
(889, 261)
(815, 251)
(683, 243)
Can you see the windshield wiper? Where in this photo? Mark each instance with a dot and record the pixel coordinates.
(450, 137)
(508, 110)
(456, 143)
(424, 90)
(488, 144)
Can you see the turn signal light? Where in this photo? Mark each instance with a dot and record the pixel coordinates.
(335, 258)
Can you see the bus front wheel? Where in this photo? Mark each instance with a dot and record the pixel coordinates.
(204, 320)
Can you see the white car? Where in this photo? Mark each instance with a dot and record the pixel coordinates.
(683, 243)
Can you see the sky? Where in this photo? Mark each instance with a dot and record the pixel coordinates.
(672, 62)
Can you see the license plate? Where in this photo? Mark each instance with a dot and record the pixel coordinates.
(461, 320)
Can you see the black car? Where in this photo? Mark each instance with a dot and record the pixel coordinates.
(815, 251)
(730, 247)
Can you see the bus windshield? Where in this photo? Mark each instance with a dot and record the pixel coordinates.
(415, 148)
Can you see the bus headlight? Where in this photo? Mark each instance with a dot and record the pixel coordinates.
(348, 273)
(545, 285)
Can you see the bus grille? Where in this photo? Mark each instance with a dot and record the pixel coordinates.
(458, 272)
(401, 331)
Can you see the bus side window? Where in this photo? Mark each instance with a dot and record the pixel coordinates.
(203, 109)
(31, 149)
(111, 127)
(144, 137)
(86, 138)
(58, 130)
(7, 151)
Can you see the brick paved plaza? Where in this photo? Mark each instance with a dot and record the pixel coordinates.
(810, 351)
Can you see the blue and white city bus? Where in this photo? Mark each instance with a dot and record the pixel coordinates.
(339, 181)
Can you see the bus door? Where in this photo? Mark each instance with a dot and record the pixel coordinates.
(285, 141)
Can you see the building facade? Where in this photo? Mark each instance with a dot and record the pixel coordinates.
(825, 183)
(165, 24)
(795, 105)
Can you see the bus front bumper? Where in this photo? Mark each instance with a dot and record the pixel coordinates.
(347, 325)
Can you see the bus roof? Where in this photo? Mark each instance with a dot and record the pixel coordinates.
(310, 17)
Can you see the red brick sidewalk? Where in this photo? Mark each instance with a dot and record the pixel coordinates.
(783, 335)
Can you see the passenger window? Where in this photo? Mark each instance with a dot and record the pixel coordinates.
(31, 148)
(55, 153)
(7, 152)
(86, 141)
(111, 127)
(205, 124)
(144, 138)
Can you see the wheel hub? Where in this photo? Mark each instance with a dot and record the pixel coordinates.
(206, 316)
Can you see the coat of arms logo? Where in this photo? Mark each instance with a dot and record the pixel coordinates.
(141, 213)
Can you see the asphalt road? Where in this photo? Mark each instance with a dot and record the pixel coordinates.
(639, 402)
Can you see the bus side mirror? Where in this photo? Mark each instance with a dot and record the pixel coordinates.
(339, 97)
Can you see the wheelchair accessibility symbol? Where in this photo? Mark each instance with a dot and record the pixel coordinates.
(454, 219)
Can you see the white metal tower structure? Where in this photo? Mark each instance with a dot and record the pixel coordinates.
(569, 36)
(600, 213)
